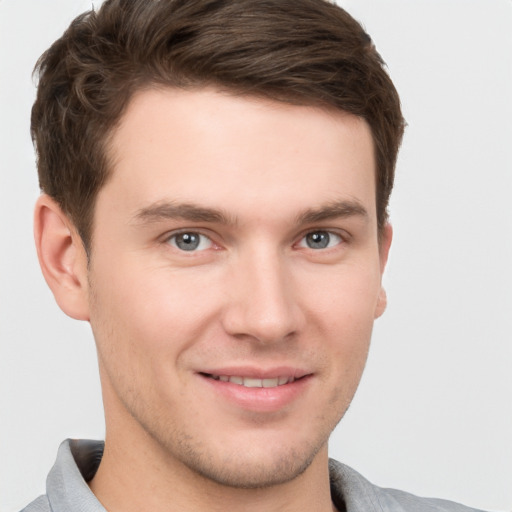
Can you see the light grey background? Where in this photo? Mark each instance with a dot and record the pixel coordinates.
(433, 414)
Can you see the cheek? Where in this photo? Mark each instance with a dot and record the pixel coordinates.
(343, 311)
(153, 312)
(142, 326)
(345, 297)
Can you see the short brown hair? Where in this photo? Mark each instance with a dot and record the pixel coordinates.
(308, 52)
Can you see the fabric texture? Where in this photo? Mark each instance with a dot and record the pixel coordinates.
(78, 460)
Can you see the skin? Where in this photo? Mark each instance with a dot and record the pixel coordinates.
(256, 181)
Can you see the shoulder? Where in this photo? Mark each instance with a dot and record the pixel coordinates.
(356, 494)
(40, 504)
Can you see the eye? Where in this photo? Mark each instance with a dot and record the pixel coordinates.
(320, 240)
(190, 241)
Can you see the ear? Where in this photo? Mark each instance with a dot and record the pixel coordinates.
(62, 258)
(384, 245)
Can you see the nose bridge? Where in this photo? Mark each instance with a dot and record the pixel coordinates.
(262, 303)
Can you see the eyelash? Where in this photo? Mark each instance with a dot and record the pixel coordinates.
(302, 242)
(188, 238)
(330, 235)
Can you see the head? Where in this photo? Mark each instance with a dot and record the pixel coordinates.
(217, 175)
(306, 52)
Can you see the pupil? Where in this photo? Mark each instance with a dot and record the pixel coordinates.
(318, 240)
(187, 241)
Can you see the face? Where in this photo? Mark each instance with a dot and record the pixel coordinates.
(234, 280)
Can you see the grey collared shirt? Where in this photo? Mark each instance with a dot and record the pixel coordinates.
(78, 460)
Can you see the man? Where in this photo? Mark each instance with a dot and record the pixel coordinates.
(215, 182)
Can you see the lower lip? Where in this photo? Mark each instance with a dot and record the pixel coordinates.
(259, 399)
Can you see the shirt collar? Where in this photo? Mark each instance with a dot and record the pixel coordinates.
(66, 485)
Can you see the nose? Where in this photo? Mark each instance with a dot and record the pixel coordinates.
(262, 303)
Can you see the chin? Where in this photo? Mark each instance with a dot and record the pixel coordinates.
(249, 469)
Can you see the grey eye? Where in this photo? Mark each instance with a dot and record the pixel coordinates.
(190, 241)
(320, 240)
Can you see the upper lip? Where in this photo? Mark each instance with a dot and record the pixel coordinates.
(258, 373)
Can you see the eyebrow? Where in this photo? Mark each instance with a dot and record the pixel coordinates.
(194, 213)
(334, 210)
(182, 211)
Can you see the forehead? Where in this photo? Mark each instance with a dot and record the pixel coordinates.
(218, 149)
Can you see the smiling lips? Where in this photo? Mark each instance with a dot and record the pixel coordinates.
(258, 391)
(251, 382)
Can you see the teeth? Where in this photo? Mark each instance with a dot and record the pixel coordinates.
(269, 383)
(250, 382)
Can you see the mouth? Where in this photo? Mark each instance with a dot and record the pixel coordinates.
(258, 390)
(251, 382)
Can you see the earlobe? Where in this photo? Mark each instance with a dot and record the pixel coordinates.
(382, 303)
(62, 258)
